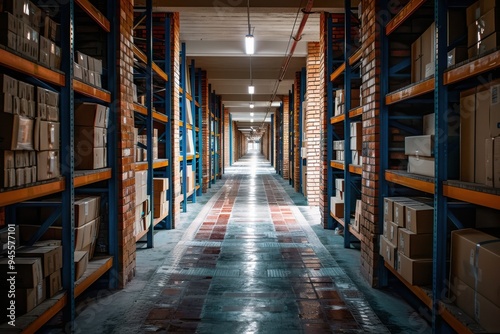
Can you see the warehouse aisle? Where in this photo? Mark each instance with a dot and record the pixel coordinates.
(252, 264)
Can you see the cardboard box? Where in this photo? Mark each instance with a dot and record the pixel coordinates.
(86, 208)
(160, 184)
(16, 132)
(47, 165)
(8, 23)
(46, 135)
(90, 158)
(415, 271)
(356, 129)
(486, 25)
(475, 257)
(29, 271)
(421, 166)
(399, 208)
(421, 146)
(415, 246)
(339, 184)
(9, 85)
(481, 132)
(337, 207)
(90, 136)
(51, 29)
(392, 233)
(26, 300)
(429, 125)
(389, 206)
(53, 283)
(358, 215)
(339, 194)
(420, 218)
(82, 59)
(161, 210)
(467, 135)
(50, 256)
(91, 115)
(6, 103)
(356, 143)
(428, 50)
(85, 235)
(388, 252)
(416, 60)
(81, 259)
(473, 13)
(496, 162)
(77, 71)
(475, 305)
(56, 57)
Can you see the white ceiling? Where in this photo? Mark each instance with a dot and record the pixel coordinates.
(214, 33)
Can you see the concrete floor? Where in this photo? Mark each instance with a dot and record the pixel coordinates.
(249, 257)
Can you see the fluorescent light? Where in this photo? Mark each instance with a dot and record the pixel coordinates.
(251, 120)
(251, 89)
(249, 45)
(252, 105)
(251, 114)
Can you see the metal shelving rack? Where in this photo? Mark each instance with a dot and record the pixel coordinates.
(291, 144)
(344, 73)
(70, 89)
(216, 119)
(302, 97)
(436, 92)
(155, 113)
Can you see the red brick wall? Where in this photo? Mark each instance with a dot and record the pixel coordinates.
(227, 135)
(174, 121)
(313, 122)
(296, 132)
(125, 159)
(265, 142)
(371, 140)
(205, 133)
(286, 136)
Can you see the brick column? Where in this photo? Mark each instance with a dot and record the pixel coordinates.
(286, 136)
(313, 122)
(296, 132)
(205, 133)
(370, 88)
(227, 135)
(124, 125)
(174, 120)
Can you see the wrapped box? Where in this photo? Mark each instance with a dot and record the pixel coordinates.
(81, 260)
(16, 132)
(47, 165)
(50, 257)
(46, 135)
(91, 115)
(9, 85)
(415, 271)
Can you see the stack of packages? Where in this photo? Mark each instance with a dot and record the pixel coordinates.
(141, 154)
(339, 107)
(337, 201)
(142, 203)
(407, 241)
(420, 149)
(482, 21)
(356, 143)
(160, 186)
(88, 69)
(25, 28)
(338, 150)
(474, 284)
(91, 122)
(20, 135)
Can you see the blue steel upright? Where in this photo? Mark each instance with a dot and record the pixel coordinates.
(149, 118)
(169, 111)
(330, 178)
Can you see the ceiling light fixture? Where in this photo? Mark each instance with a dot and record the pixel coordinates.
(251, 120)
(252, 114)
(252, 105)
(249, 39)
(251, 89)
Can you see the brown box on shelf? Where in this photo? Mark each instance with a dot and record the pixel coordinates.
(482, 132)
(415, 271)
(161, 209)
(45, 243)
(9, 39)
(414, 245)
(9, 85)
(16, 132)
(51, 29)
(88, 158)
(29, 271)
(82, 59)
(358, 215)
(428, 51)
(467, 135)
(46, 135)
(160, 184)
(87, 209)
(488, 43)
(77, 71)
(389, 206)
(26, 300)
(422, 146)
(47, 165)
(475, 305)
(399, 207)
(53, 283)
(85, 235)
(388, 252)
(50, 256)
(6, 103)
(421, 166)
(337, 207)
(92, 136)
(81, 259)
(420, 218)
(475, 257)
(416, 60)
(8, 23)
(392, 233)
(91, 115)
(55, 56)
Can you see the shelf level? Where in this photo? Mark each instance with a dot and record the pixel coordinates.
(473, 193)
(337, 164)
(337, 119)
(91, 91)
(356, 56)
(83, 178)
(473, 68)
(156, 115)
(337, 73)
(356, 112)
(9, 197)
(411, 91)
(156, 221)
(403, 15)
(417, 182)
(95, 14)
(142, 57)
(341, 221)
(25, 66)
(160, 163)
(356, 169)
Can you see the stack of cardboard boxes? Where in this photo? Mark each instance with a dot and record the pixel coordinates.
(337, 201)
(160, 186)
(407, 241)
(475, 257)
(482, 22)
(88, 69)
(339, 107)
(356, 143)
(25, 28)
(142, 203)
(480, 135)
(91, 122)
(420, 149)
(141, 141)
(338, 150)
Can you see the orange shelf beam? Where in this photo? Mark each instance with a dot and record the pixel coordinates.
(411, 91)
(156, 115)
(142, 57)
(356, 112)
(92, 177)
(95, 269)
(341, 221)
(473, 68)
(337, 164)
(190, 157)
(140, 166)
(189, 97)
(141, 234)
(355, 233)
(91, 91)
(337, 119)
(25, 66)
(471, 196)
(95, 14)
(356, 56)
(336, 74)
(403, 15)
(25, 194)
(410, 182)
(356, 169)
